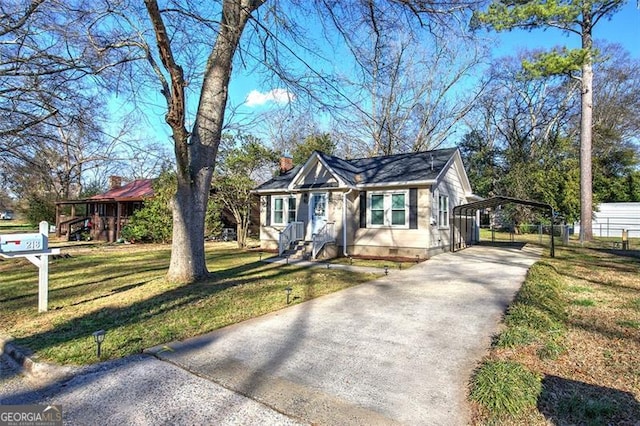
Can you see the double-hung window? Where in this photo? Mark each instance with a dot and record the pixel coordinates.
(443, 211)
(398, 209)
(389, 209)
(377, 209)
(291, 209)
(284, 210)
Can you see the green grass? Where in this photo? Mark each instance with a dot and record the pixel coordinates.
(629, 324)
(579, 289)
(504, 387)
(583, 302)
(122, 290)
(537, 314)
(15, 227)
(545, 239)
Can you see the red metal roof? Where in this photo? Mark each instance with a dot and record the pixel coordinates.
(133, 191)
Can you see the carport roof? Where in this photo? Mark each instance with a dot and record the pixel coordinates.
(498, 201)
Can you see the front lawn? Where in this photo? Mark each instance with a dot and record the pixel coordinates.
(573, 336)
(121, 289)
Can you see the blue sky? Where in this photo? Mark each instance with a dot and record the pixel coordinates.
(622, 28)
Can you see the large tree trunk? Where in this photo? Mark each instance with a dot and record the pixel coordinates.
(586, 120)
(196, 156)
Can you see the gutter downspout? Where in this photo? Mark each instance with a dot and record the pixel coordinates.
(344, 222)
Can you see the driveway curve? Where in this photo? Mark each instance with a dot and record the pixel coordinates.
(398, 350)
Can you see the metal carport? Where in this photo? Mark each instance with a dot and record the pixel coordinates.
(464, 211)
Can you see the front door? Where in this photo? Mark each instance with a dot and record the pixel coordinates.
(318, 212)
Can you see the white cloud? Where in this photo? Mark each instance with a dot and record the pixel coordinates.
(278, 96)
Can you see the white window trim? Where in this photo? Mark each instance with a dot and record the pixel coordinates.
(388, 209)
(285, 209)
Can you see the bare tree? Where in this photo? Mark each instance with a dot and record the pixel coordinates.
(52, 113)
(416, 94)
(185, 33)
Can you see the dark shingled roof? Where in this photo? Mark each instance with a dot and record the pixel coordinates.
(409, 167)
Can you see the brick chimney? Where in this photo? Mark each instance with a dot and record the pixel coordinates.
(286, 164)
(115, 182)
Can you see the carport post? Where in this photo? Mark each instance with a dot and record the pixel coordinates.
(466, 223)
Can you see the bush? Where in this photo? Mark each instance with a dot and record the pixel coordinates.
(521, 315)
(213, 223)
(154, 222)
(39, 209)
(515, 336)
(505, 387)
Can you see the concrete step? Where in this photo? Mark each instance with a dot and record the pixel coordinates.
(300, 250)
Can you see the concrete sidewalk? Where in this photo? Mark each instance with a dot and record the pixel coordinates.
(400, 349)
(137, 390)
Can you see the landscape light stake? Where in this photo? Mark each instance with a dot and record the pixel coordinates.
(98, 337)
(288, 290)
(260, 256)
(386, 270)
(328, 265)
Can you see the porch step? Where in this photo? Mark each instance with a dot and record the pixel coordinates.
(299, 250)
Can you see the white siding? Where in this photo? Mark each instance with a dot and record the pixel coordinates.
(451, 186)
(612, 218)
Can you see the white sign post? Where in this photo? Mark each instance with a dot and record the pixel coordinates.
(35, 247)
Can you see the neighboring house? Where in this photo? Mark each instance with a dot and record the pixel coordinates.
(611, 219)
(104, 215)
(390, 206)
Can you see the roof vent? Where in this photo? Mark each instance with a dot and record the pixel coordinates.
(431, 162)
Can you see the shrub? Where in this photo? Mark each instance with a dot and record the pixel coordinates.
(154, 222)
(521, 315)
(39, 209)
(515, 336)
(505, 387)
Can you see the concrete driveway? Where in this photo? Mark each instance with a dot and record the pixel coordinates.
(400, 349)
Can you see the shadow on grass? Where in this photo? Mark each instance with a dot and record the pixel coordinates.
(111, 292)
(565, 401)
(109, 318)
(590, 264)
(623, 253)
(71, 291)
(608, 332)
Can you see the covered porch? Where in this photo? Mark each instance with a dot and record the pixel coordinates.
(102, 216)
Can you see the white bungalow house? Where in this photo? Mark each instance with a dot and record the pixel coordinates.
(388, 206)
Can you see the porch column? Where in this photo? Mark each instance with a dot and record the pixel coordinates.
(118, 214)
(57, 220)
